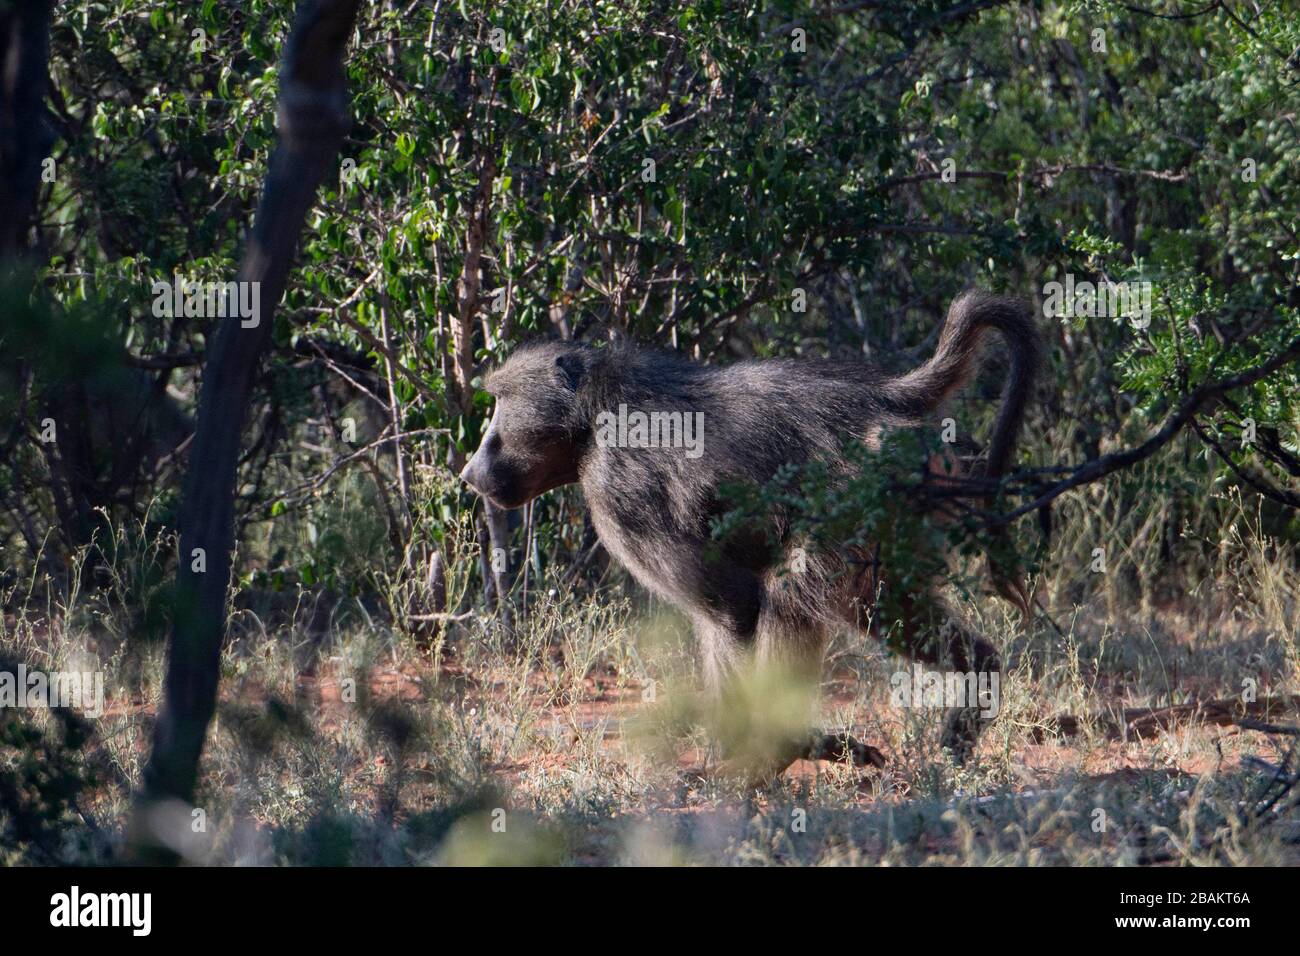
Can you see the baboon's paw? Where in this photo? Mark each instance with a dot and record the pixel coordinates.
(845, 748)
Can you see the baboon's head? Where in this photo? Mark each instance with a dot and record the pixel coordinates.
(538, 429)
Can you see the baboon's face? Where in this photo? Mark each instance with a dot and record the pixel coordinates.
(532, 443)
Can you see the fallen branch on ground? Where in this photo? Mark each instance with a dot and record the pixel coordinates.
(1138, 722)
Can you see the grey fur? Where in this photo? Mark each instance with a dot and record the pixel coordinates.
(651, 507)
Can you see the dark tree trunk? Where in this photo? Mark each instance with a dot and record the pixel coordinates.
(25, 136)
(313, 117)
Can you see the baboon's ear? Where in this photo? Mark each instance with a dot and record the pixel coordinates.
(571, 367)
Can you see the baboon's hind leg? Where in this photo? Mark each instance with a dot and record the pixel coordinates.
(927, 629)
(932, 632)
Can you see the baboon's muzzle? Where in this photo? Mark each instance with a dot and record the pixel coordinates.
(497, 484)
(473, 474)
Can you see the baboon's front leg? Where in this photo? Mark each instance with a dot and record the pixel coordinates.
(744, 704)
(769, 699)
(801, 644)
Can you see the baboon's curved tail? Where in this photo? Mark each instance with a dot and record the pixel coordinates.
(971, 315)
(922, 390)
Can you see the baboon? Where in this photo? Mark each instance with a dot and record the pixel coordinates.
(651, 507)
